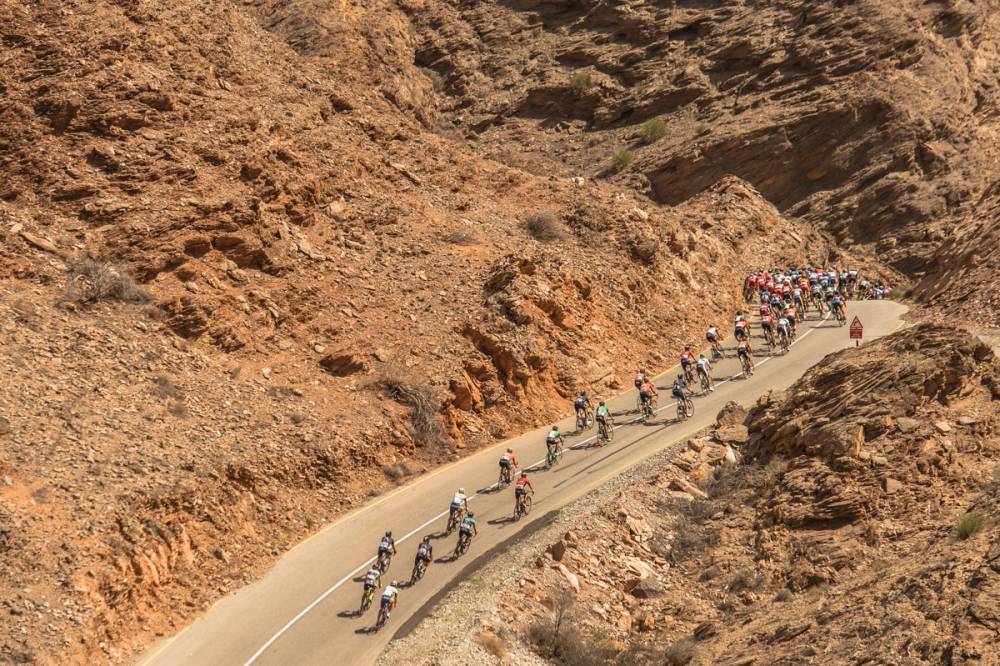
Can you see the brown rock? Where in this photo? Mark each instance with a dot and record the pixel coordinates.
(891, 485)
(732, 434)
(557, 550)
(907, 425)
(731, 414)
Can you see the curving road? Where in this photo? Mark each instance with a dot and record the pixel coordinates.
(301, 612)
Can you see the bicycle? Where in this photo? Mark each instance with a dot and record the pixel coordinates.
(463, 544)
(717, 352)
(553, 455)
(383, 617)
(522, 507)
(506, 475)
(455, 518)
(366, 599)
(419, 569)
(841, 317)
(584, 419)
(647, 409)
(747, 368)
(706, 383)
(605, 433)
(384, 559)
(685, 408)
(689, 374)
(784, 342)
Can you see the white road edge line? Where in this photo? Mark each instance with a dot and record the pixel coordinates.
(351, 575)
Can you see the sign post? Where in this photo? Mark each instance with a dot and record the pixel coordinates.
(857, 331)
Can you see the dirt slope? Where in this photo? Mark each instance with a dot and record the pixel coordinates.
(838, 538)
(877, 121)
(340, 293)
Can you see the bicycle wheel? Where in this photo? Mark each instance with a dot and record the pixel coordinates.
(526, 502)
(681, 414)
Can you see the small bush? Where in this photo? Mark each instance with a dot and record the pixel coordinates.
(460, 237)
(652, 131)
(92, 282)
(580, 83)
(543, 225)
(692, 540)
(164, 387)
(179, 409)
(298, 418)
(968, 524)
(493, 644)
(784, 595)
(622, 157)
(701, 128)
(397, 471)
(746, 579)
(679, 653)
(423, 406)
(564, 643)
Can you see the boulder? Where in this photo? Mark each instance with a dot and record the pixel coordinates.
(558, 550)
(943, 426)
(570, 577)
(732, 434)
(907, 425)
(731, 414)
(644, 588)
(891, 485)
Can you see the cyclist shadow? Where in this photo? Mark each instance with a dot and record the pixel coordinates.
(492, 488)
(448, 559)
(350, 613)
(540, 467)
(501, 521)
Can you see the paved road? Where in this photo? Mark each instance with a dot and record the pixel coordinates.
(301, 612)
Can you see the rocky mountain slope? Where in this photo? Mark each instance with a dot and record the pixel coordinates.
(876, 121)
(249, 278)
(860, 526)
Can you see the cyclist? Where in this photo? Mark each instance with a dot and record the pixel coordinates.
(468, 528)
(640, 378)
(582, 405)
(783, 332)
(425, 553)
(459, 505)
(522, 486)
(687, 361)
(373, 579)
(705, 370)
(554, 438)
(712, 334)
(603, 415)
(744, 351)
(790, 316)
(389, 596)
(838, 305)
(507, 463)
(742, 328)
(767, 325)
(678, 391)
(647, 392)
(387, 546)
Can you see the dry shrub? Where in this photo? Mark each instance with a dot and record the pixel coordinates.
(652, 131)
(968, 524)
(692, 537)
(493, 644)
(559, 639)
(397, 471)
(423, 404)
(543, 225)
(746, 579)
(179, 409)
(679, 653)
(164, 387)
(460, 237)
(580, 82)
(621, 157)
(93, 282)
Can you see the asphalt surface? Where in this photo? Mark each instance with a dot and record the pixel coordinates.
(303, 611)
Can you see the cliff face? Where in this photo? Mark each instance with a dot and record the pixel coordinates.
(250, 277)
(874, 121)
